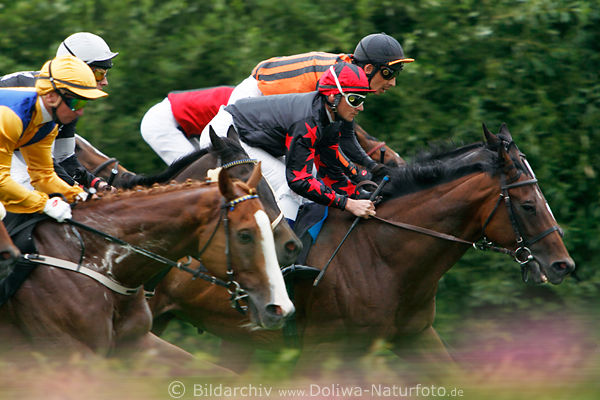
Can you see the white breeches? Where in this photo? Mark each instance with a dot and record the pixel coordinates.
(159, 130)
(247, 88)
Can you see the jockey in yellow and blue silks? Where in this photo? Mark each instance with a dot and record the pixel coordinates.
(28, 122)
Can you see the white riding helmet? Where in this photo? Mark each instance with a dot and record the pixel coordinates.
(90, 48)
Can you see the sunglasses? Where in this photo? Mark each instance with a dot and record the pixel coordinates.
(99, 73)
(354, 100)
(388, 74)
(72, 102)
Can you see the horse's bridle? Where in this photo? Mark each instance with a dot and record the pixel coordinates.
(252, 161)
(523, 254)
(233, 287)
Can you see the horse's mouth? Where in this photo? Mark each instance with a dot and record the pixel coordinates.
(540, 274)
(262, 320)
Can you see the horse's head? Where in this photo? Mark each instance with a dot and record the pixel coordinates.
(523, 220)
(250, 251)
(228, 153)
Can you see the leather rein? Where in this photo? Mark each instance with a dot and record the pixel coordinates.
(113, 172)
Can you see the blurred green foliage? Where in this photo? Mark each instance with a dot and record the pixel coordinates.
(532, 64)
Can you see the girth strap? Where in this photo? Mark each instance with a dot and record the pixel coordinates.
(71, 266)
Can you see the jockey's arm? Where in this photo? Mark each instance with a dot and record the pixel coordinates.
(352, 149)
(67, 165)
(299, 162)
(41, 169)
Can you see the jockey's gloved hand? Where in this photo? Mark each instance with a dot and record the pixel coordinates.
(81, 197)
(362, 175)
(58, 209)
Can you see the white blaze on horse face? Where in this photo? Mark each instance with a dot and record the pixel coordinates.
(541, 196)
(276, 283)
(537, 189)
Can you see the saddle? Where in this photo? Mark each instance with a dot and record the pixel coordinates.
(20, 228)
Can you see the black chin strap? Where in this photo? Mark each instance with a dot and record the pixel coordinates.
(55, 116)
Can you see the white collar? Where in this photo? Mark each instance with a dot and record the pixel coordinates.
(46, 116)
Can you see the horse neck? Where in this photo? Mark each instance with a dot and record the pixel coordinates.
(167, 224)
(453, 208)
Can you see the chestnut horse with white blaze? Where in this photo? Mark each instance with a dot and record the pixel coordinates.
(94, 302)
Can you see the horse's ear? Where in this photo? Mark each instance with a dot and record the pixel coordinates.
(490, 138)
(232, 134)
(215, 140)
(504, 134)
(509, 166)
(256, 176)
(226, 185)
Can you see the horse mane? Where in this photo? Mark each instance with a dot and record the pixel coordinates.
(444, 150)
(231, 148)
(437, 165)
(142, 191)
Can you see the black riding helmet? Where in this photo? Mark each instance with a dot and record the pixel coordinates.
(380, 49)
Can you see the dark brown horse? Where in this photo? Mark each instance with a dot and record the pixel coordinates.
(222, 224)
(382, 284)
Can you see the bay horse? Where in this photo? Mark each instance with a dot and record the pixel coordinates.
(382, 284)
(223, 224)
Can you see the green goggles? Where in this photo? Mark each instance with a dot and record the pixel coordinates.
(354, 100)
(72, 102)
(99, 73)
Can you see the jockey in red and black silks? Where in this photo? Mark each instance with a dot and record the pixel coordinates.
(292, 132)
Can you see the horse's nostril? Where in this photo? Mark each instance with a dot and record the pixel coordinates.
(563, 266)
(274, 310)
(291, 246)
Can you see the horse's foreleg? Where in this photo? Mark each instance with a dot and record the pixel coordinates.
(155, 351)
(425, 351)
(235, 356)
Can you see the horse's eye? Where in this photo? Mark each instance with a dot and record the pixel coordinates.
(245, 236)
(528, 207)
